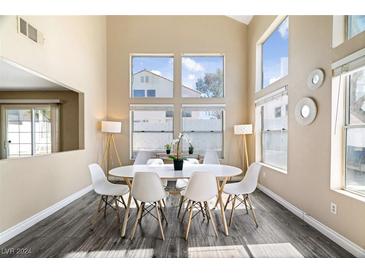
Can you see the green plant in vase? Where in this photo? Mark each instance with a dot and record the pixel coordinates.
(168, 148)
(178, 157)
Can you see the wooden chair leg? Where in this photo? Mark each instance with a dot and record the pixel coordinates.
(228, 200)
(100, 203)
(105, 205)
(137, 220)
(202, 209)
(117, 212)
(186, 209)
(123, 202)
(180, 205)
(211, 217)
(162, 212)
(245, 202)
(189, 222)
(96, 214)
(142, 211)
(163, 202)
(159, 220)
(253, 211)
(136, 202)
(232, 210)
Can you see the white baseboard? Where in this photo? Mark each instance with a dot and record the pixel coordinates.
(27, 223)
(345, 243)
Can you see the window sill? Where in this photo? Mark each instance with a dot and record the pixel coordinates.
(274, 168)
(350, 194)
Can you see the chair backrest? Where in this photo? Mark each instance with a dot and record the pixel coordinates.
(191, 161)
(251, 178)
(155, 162)
(147, 187)
(98, 177)
(142, 157)
(211, 157)
(202, 186)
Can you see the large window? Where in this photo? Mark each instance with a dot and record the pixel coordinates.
(152, 76)
(355, 25)
(272, 125)
(151, 127)
(30, 130)
(202, 76)
(274, 55)
(355, 131)
(204, 126)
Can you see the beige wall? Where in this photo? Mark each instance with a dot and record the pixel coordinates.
(74, 53)
(307, 184)
(69, 109)
(178, 35)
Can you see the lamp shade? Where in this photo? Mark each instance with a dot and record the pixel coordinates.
(242, 129)
(111, 127)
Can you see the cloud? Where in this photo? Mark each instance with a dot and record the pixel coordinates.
(284, 28)
(191, 77)
(156, 72)
(191, 65)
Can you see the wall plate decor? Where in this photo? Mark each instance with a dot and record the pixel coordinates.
(305, 111)
(315, 79)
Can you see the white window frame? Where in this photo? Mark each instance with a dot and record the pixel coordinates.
(340, 33)
(55, 126)
(171, 55)
(203, 107)
(204, 55)
(259, 103)
(151, 107)
(259, 61)
(340, 118)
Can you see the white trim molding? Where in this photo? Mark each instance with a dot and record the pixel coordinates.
(29, 222)
(345, 243)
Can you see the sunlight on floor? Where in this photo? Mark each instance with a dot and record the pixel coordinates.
(230, 251)
(280, 250)
(132, 253)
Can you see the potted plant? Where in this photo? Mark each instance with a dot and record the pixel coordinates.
(168, 148)
(191, 148)
(178, 158)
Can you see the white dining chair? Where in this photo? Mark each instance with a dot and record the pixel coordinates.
(155, 162)
(182, 183)
(143, 156)
(244, 188)
(107, 191)
(211, 157)
(147, 188)
(158, 162)
(201, 188)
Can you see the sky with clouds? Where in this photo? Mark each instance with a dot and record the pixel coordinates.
(275, 54)
(193, 67)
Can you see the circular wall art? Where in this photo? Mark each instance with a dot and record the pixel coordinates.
(305, 111)
(315, 79)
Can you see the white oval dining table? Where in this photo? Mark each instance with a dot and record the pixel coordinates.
(221, 172)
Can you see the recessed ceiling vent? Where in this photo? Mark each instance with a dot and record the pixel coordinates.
(30, 31)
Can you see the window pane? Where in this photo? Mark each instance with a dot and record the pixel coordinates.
(152, 129)
(204, 128)
(275, 55)
(152, 73)
(274, 148)
(275, 115)
(203, 76)
(356, 24)
(355, 159)
(42, 130)
(357, 97)
(274, 136)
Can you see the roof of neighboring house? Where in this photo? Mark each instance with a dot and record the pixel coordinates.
(145, 70)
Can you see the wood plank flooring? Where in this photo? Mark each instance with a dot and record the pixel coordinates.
(68, 233)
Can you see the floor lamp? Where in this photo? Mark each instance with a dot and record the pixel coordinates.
(243, 130)
(110, 128)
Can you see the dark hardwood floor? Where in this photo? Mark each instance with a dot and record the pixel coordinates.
(68, 233)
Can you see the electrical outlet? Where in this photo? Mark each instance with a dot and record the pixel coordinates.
(333, 208)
